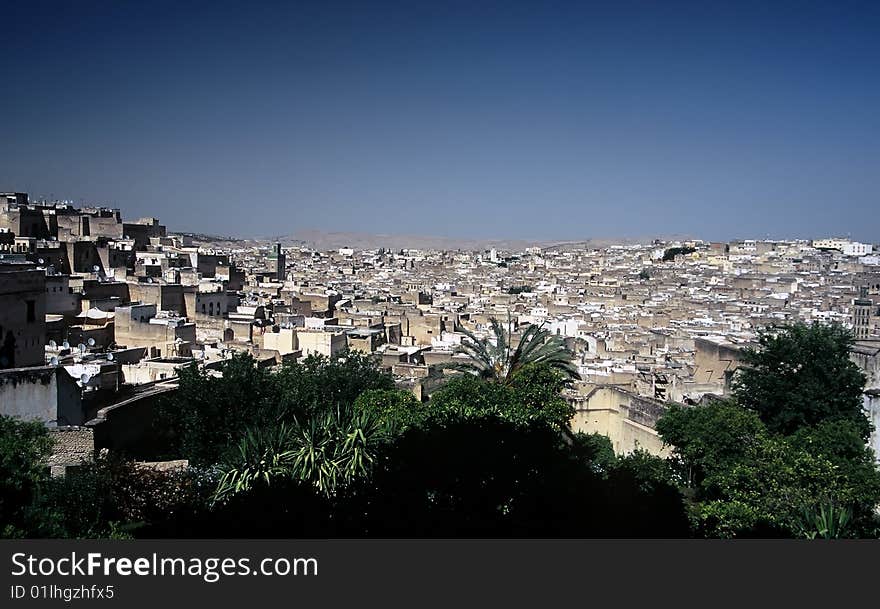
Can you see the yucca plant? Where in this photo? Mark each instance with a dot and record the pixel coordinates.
(330, 449)
(496, 359)
(825, 521)
(261, 455)
(336, 447)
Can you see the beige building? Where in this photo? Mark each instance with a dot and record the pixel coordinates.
(715, 361)
(22, 315)
(321, 342)
(284, 341)
(164, 335)
(626, 418)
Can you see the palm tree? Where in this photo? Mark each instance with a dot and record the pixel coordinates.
(497, 360)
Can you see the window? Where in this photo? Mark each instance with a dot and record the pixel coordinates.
(31, 311)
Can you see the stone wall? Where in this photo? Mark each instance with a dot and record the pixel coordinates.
(41, 393)
(72, 446)
(626, 418)
(22, 316)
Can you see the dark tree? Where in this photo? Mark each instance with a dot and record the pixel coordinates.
(490, 477)
(800, 376)
(742, 480)
(207, 415)
(23, 448)
(672, 252)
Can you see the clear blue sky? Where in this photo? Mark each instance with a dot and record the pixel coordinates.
(474, 119)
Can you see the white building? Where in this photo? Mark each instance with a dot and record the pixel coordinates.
(855, 248)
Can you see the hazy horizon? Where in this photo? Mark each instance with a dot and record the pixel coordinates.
(506, 121)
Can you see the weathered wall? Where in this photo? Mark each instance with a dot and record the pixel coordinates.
(71, 446)
(627, 419)
(320, 342)
(866, 355)
(872, 409)
(42, 393)
(715, 362)
(22, 317)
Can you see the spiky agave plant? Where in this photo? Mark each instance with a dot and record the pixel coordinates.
(496, 359)
(262, 455)
(336, 447)
(824, 521)
(328, 450)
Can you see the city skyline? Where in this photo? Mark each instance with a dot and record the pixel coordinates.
(510, 121)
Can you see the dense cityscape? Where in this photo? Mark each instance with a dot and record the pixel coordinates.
(503, 303)
(104, 322)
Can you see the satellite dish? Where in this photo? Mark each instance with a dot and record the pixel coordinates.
(91, 342)
(84, 379)
(66, 345)
(53, 344)
(40, 260)
(96, 268)
(53, 361)
(109, 357)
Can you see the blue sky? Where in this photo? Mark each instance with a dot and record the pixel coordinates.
(542, 120)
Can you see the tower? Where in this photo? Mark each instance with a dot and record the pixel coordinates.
(862, 307)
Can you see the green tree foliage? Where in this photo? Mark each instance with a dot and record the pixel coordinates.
(397, 408)
(594, 451)
(801, 375)
(533, 397)
(113, 497)
(839, 442)
(319, 382)
(208, 414)
(709, 438)
(672, 252)
(498, 360)
(23, 448)
(744, 480)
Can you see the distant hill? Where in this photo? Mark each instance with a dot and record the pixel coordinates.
(322, 240)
